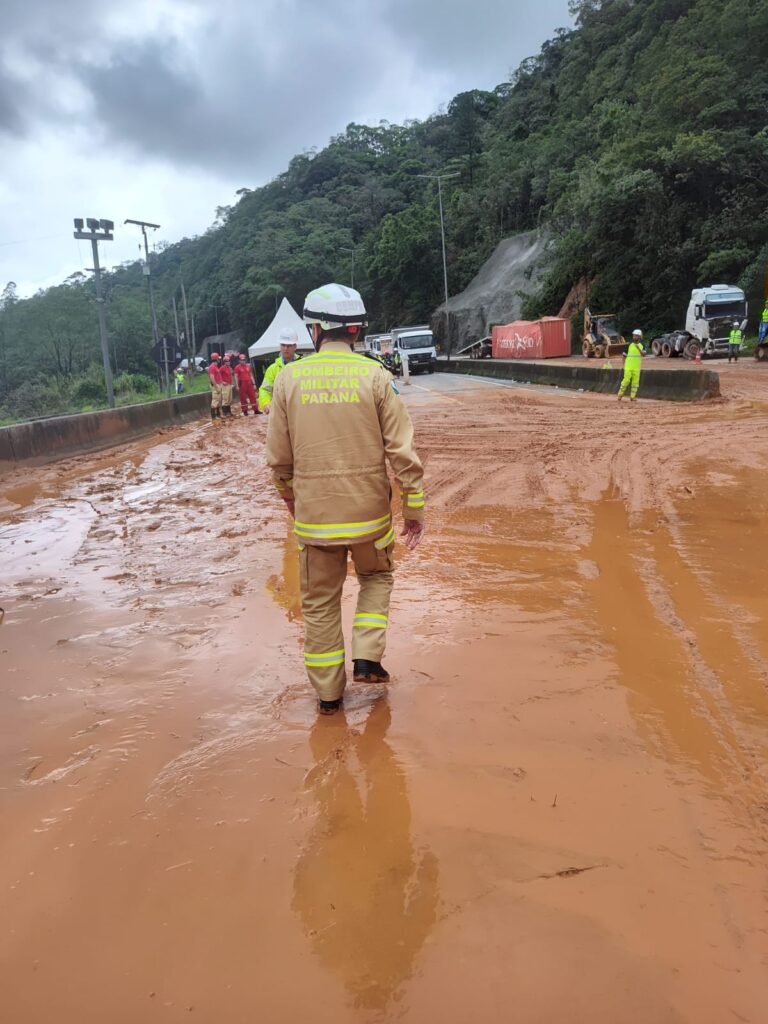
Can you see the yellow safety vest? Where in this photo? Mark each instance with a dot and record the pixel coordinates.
(635, 352)
(736, 337)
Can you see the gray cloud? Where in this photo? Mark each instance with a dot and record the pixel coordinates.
(241, 86)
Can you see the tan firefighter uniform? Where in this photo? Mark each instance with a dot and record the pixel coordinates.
(335, 417)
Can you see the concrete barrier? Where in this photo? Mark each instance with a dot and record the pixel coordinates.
(668, 385)
(46, 440)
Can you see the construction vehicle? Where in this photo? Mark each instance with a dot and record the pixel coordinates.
(712, 312)
(601, 336)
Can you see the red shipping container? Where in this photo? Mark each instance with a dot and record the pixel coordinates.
(547, 338)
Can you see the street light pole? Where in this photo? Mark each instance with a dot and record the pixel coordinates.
(439, 178)
(216, 313)
(99, 230)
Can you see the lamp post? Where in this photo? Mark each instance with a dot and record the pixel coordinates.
(144, 224)
(439, 178)
(99, 231)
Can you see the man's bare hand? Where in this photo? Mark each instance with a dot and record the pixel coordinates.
(413, 532)
(290, 504)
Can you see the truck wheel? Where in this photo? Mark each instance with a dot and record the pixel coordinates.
(656, 347)
(666, 350)
(691, 350)
(586, 350)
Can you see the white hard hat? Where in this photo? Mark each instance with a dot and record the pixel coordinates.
(335, 305)
(288, 336)
(637, 334)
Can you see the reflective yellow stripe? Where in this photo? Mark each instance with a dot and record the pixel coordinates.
(385, 541)
(415, 504)
(342, 526)
(339, 531)
(321, 660)
(371, 620)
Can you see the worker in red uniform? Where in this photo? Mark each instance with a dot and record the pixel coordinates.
(226, 388)
(214, 375)
(246, 385)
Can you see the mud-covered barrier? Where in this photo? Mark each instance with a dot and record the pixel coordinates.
(45, 440)
(668, 385)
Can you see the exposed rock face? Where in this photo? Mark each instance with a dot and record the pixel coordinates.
(494, 295)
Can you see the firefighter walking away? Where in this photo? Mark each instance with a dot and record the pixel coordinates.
(335, 420)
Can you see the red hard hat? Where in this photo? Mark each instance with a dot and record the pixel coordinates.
(242, 356)
(226, 358)
(215, 355)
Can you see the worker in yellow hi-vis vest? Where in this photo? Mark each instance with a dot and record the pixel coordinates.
(633, 362)
(336, 418)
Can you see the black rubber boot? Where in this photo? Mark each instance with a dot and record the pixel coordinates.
(329, 707)
(369, 672)
(213, 414)
(245, 412)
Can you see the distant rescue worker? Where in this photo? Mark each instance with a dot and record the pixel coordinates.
(214, 375)
(289, 339)
(633, 361)
(763, 330)
(336, 418)
(226, 387)
(735, 341)
(179, 378)
(246, 386)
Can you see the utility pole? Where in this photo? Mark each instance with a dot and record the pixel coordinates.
(176, 331)
(439, 178)
(99, 231)
(216, 313)
(144, 224)
(187, 336)
(352, 251)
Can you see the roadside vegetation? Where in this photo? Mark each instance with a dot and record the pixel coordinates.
(638, 140)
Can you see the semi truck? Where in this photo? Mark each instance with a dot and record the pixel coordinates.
(712, 312)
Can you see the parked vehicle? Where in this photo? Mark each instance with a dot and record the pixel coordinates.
(480, 349)
(418, 345)
(711, 314)
(601, 336)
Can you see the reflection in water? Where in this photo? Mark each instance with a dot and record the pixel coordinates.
(284, 590)
(366, 900)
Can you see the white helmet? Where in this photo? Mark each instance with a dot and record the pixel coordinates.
(637, 334)
(288, 336)
(335, 305)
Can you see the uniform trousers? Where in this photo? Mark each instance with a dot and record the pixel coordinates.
(322, 574)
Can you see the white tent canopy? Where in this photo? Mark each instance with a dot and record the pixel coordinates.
(269, 342)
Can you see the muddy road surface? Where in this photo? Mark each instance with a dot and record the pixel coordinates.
(557, 812)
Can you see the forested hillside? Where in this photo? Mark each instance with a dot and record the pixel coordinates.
(638, 139)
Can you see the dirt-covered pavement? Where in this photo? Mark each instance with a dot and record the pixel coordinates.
(557, 813)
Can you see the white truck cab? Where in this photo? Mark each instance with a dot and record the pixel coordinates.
(418, 345)
(711, 315)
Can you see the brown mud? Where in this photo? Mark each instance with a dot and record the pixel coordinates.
(557, 812)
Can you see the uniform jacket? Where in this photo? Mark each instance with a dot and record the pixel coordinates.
(267, 385)
(226, 373)
(635, 353)
(336, 418)
(214, 373)
(244, 374)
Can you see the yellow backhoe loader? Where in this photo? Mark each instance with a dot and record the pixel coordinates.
(601, 336)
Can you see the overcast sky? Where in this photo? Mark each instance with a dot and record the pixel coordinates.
(160, 109)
